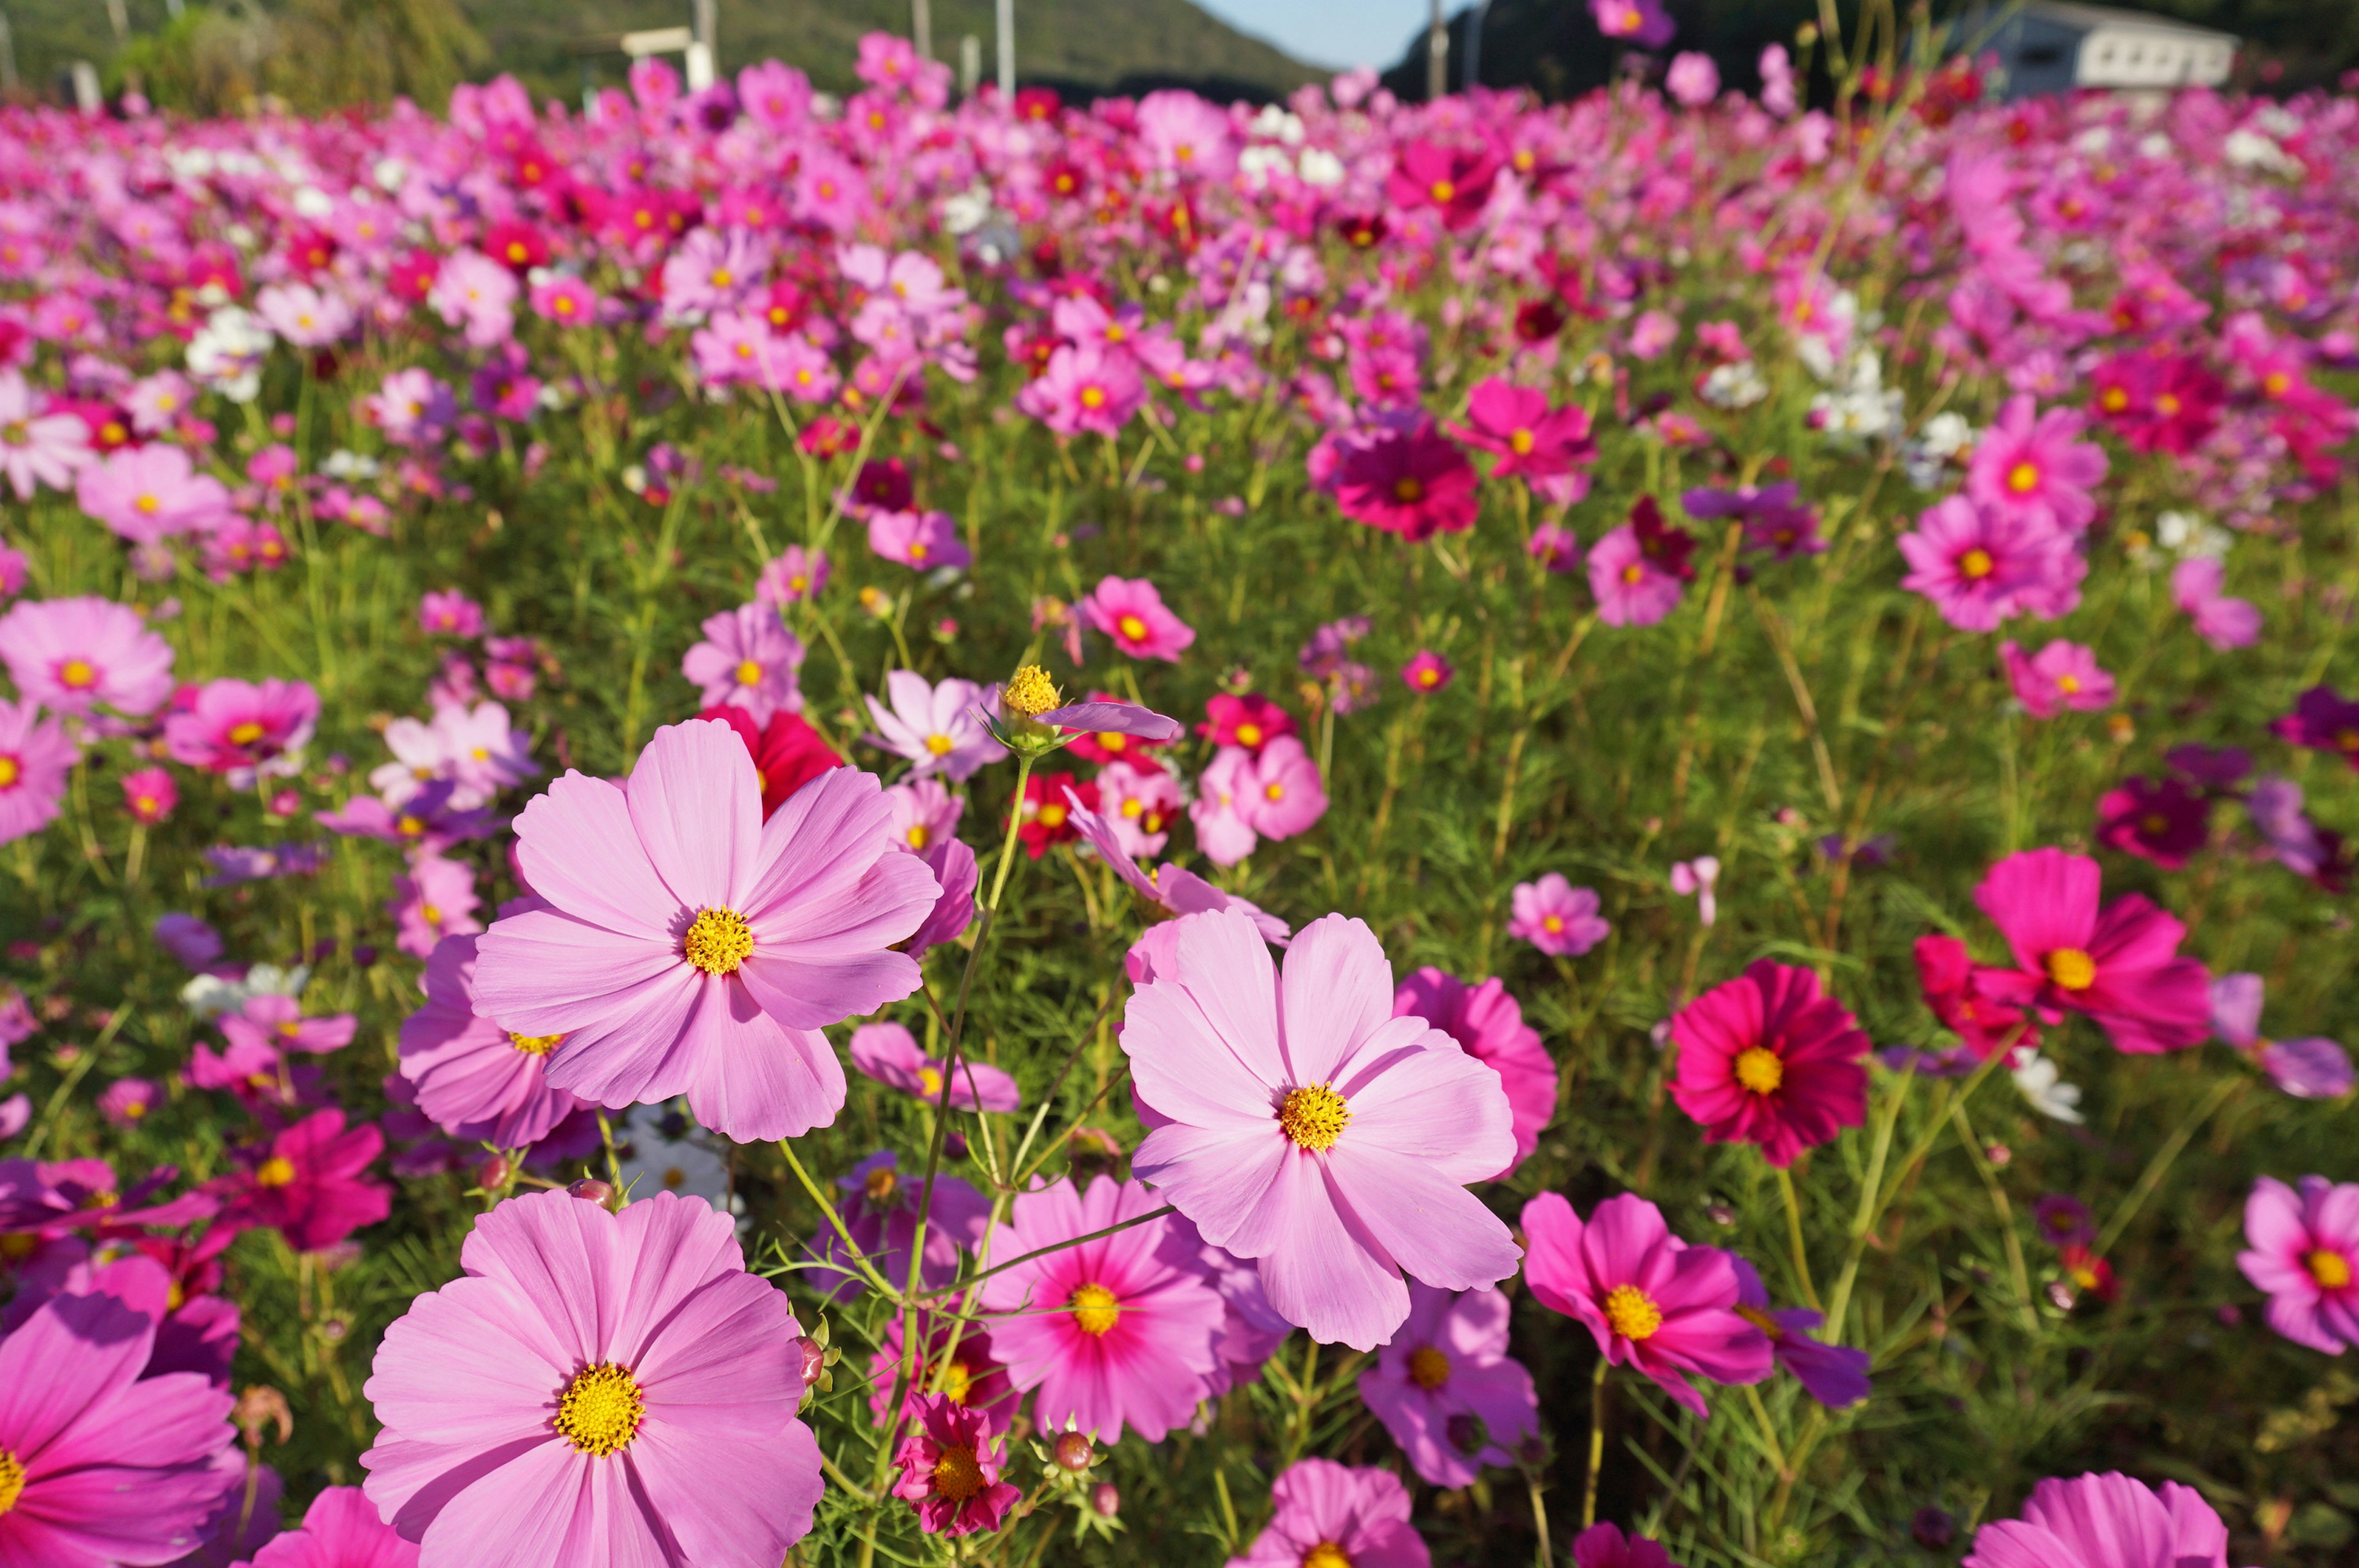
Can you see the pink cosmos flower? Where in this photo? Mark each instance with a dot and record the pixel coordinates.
(82, 1428)
(1447, 1389)
(236, 726)
(276, 1022)
(2303, 1250)
(950, 1464)
(2196, 588)
(127, 1101)
(1530, 438)
(1328, 1514)
(881, 1215)
(1119, 1331)
(309, 1186)
(304, 315)
(480, 1083)
(1981, 566)
(1085, 389)
(1415, 482)
(2037, 468)
(437, 899)
(939, 728)
(412, 407)
(605, 1390)
(152, 492)
(1557, 917)
(450, 613)
(748, 659)
(74, 654)
(1557, 549)
(1280, 1106)
(1605, 1546)
(2061, 675)
(1427, 672)
(1642, 22)
(1693, 80)
(37, 448)
(1279, 794)
(2106, 1521)
(796, 575)
(35, 758)
(566, 300)
(340, 1529)
(1489, 1024)
(1139, 807)
(890, 1054)
(1186, 135)
(923, 812)
(2120, 967)
(1651, 1301)
(1766, 1059)
(923, 541)
(1632, 587)
(1131, 611)
(1834, 1375)
(686, 946)
(2321, 720)
(2159, 820)
(1455, 181)
(2309, 1068)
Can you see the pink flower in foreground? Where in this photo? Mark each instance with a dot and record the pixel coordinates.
(2037, 467)
(1651, 1301)
(1489, 1024)
(74, 654)
(890, 1054)
(950, 1464)
(1331, 1515)
(81, 1430)
(2120, 966)
(2061, 675)
(235, 726)
(1447, 1389)
(340, 1529)
(1116, 1332)
(2304, 1252)
(644, 1413)
(1300, 1124)
(2106, 1521)
(1131, 611)
(35, 758)
(686, 946)
(1766, 1059)
(1557, 917)
(480, 1083)
(747, 660)
(309, 1186)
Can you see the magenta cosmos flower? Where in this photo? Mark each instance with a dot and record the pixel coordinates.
(1334, 1515)
(1834, 1375)
(82, 1432)
(35, 758)
(1448, 1390)
(1119, 1331)
(1651, 1301)
(1605, 1546)
(235, 725)
(1557, 917)
(2106, 1521)
(1489, 1024)
(2120, 966)
(480, 1083)
(2304, 1252)
(950, 1464)
(1767, 1060)
(748, 660)
(890, 1054)
(1981, 566)
(1085, 388)
(1415, 482)
(599, 1389)
(1131, 611)
(73, 654)
(1427, 672)
(2061, 675)
(1300, 1124)
(1642, 22)
(1632, 587)
(309, 1186)
(2035, 466)
(340, 1529)
(923, 541)
(2161, 820)
(1529, 437)
(684, 945)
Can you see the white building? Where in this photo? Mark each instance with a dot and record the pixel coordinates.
(2054, 46)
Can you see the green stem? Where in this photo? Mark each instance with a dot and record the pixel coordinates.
(1794, 1236)
(1596, 1440)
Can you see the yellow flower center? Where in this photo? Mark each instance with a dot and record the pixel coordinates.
(749, 672)
(2277, 384)
(1133, 628)
(600, 1411)
(956, 1381)
(1633, 572)
(12, 1480)
(723, 278)
(430, 913)
(246, 734)
(2068, 684)
(1976, 564)
(1552, 923)
(2167, 404)
(1313, 1116)
(718, 941)
(1052, 814)
(930, 1080)
(1326, 1555)
(534, 1044)
(1632, 1312)
(77, 675)
(149, 505)
(2115, 400)
(918, 835)
(2072, 968)
(1759, 1070)
(10, 772)
(881, 1184)
(2023, 478)
(1429, 1368)
(410, 827)
(1408, 491)
(2332, 1270)
(1273, 791)
(277, 1170)
(957, 1477)
(1248, 735)
(1444, 191)
(1520, 443)
(1095, 1309)
(1030, 692)
(1093, 397)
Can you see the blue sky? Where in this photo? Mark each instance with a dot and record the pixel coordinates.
(1335, 33)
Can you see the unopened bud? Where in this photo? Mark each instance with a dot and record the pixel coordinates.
(493, 1173)
(1074, 1453)
(590, 1190)
(1105, 1499)
(814, 1359)
(259, 1406)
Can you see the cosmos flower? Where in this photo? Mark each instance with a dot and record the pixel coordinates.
(1427, 672)
(951, 1466)
(2035, 467)
(2104, 1521)
(2120, 966)
(2159, 820)
(75, 654)
(2302, 1247)
(2309, 1068)
(1557, 917)
(2061, 675)
(923, 541)
(1332, 1516)
(308, 1184)
(1447, 1389)
(481, 1084)
(1489, 1024)
(1981, 566)
(1130, 611)
(436, 900)
(35, 759)
(1834, 1375)
(889, 1054)
(748, 659)
(1766, 1059)
(938, 727)
(881, 1215)
(1415, 482)
(235, 726)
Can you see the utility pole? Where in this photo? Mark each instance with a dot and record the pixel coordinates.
(1472, 75)
(970, 64)
(7, 59)
(1437, 57)
(921, 28)
(704, 54)
(1007, 51)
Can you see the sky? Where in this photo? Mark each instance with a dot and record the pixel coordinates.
(1333, 33)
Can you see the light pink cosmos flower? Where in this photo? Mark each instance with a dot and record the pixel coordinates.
(2062, 676)
(482, 752)
(35, 758)
(412, 409)
(1300, 1124)
(794, 576)
(2304, 1252)
(939, 728)
(748, 659)
(566, 300)
(447, 612)
(1279, 794)
(152, 492)
(714, 270)
(686, 946)
(2196, 586)
(1489, 1023)
(608, 1391)
(74, 654)
(890, 1054)
(304, 315)
(480, 1083)
(924, 813)
(1131, 611)
(1116, 1332)
(1447, 1389)
(1085, 389)
(1139, 807)
(1329, 1514)
(236, 727)
(1557, 917)
(340, 1529)
(37, 448)
(2108, 1520)
(1693, 79)
(436, 900)
(1224, 831)
(2035, 467)
(1631, 589)
(270, 1021)
(1981, 566)
(734, 346)
(476, 293)
(923, 541)
(1185, 135)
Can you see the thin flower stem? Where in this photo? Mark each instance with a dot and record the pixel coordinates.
(2018, 1274)
(1539, 1518)
(1596, 1440)
(2160, 1164)
(859, 1259)
(1768, 1433)
(1794, 1236)
(1044, 1252)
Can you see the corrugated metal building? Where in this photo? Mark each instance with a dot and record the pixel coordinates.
(2055, 46)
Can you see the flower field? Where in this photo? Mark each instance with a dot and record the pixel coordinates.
(744, 828)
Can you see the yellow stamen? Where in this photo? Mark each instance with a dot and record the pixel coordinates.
(1632, 1312)
(2023, 478)
(534, 1044)
(277, 1170)
(1313, 1117)
(2072, 968)
(600, 1411)
(718, 941)
(12, 1480)
(2332, 1270)
(1759, 1070)
(246, 734)
(930, 1080)
(749, 672)
(957, 1477)
(1030, 692)
(1133, 628)
(881, 1185)
(1976, 564)
(1429, 1368)
(1095, 1310)
(1326, 1555)
(77, 675)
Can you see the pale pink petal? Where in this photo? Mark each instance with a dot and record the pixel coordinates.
(696, 805)
(1337, 990)
(582, 853)
(1434, 1228)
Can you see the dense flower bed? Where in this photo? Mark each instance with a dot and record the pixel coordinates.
(1573, 834)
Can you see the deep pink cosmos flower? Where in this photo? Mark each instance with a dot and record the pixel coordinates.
(1113, 1333)
(1981, 566)
(1455, 181)
(277, 1023)
(152, 492)
(2120, 967)
(2197, 588)
(950, 1464)
(1251, 720)
(1651, 1301)
(1489, 1024)
(2037, 468)
(74, 654)
(450, 613)
(81, 1429)
(340, 1529)
(1334, 1516)
(2159, 820)
(150, 795)
(603, 1390)
(1605, 1546)
(1415, 482)
(1834, 1375)
(480, 1083)
(2321, 720)
(309, 1186)
(1952, 984)
(235, 726)
(1085, 388)
(1557, 917)
(2106, 1521)
(1530, 438)
(1131, 611)
(1447, 1389)
(2061, 675)
(890, 1054)
(1642, 22)
(923, 541)
(1284, 1105)
(881, 1212)
(747, 660)
(35, 758)
(2303, 1250)
(686, 946)
(1427, 672)
(1766, 1059)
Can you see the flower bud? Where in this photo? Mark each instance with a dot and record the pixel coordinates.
(814, 1359)
(260, 1406)
(1105, 1499)
(590, 1190)
(1074, 1453)
(493, 1173)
